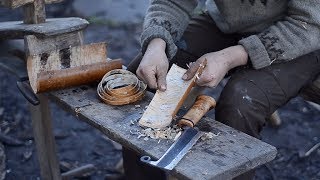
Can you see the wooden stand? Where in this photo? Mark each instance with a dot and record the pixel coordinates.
(53, 34)
(44, 139)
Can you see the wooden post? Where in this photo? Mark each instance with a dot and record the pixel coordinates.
(44, 139)
(41, 119)
(35, 13)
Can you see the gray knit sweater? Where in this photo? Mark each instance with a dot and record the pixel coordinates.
(284, 29)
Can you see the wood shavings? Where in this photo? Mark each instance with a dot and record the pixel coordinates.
(168, 133)
(134, 132)
(209, 135)
(132, 122)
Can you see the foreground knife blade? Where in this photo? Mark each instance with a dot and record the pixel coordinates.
(188, 138)
(176, 151)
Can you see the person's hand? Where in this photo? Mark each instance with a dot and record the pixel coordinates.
(218, 64)
(154, 65)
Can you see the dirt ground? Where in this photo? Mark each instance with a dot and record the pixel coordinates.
(79, 144)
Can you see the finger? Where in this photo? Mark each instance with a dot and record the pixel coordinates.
(149, 77)
(140, 76)
(192, 70)
(162, 83)
(210, 84)
(207, 79)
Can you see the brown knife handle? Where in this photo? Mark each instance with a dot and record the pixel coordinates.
(202, 105)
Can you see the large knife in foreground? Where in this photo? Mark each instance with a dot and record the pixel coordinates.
(189, 136)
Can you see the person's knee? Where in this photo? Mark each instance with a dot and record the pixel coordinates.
(243, 106)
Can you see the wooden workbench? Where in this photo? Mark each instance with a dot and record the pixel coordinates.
(227, 155)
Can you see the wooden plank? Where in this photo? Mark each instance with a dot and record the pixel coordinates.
(35, 45)
(17, 3)
(52, 27)
(34, 13)
(165, 104)
(227, 155)
(44, 139)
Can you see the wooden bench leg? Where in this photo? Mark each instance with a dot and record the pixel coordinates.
(44, 139)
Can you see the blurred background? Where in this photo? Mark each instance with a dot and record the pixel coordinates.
(119, 23)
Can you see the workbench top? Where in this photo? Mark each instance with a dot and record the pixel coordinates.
(224, 156)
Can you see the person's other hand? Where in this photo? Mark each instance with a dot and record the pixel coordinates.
(154, 65)
(218, 64)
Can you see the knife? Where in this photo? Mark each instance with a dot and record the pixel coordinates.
(189, 136)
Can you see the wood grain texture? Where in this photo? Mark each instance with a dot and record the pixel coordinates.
(165, 104)
(227, 155)
(52, 27)
(17, 3)
(44, 140)
(34, 13)
(69, 67)
(36, 45)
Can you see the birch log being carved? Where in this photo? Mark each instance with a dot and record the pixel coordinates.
(165, 105)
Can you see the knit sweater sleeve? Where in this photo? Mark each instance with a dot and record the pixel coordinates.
(297, 34)
(166, 19)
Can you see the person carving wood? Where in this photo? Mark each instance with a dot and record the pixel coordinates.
(270, 48)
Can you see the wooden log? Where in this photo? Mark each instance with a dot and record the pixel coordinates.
(52, 27)
(165, 104)
(17, 3)
(35, 13)
(69, 67)
(59, 79)
(44, 139)
(36, 45)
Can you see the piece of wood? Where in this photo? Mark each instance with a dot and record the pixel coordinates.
(165, 104)
(69, 67)
(36, 45)
(17, 3)
(202, 105)
(52, 27)
(34, 13)
(82, 170)
(44, 140)
(225, 156)
(59, 79)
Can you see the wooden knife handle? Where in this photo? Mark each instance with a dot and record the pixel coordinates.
(201, 106)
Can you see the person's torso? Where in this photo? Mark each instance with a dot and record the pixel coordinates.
(246, 15)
